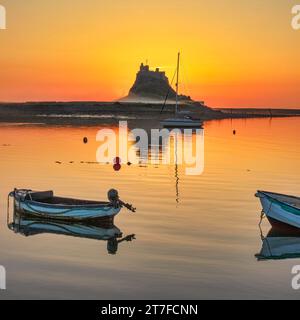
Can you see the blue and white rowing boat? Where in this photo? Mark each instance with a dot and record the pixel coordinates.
(45, 205)
(280, 208)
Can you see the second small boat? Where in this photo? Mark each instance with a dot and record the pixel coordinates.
(280, 208)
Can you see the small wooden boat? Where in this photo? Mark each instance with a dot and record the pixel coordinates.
(280, 208)
(45, 205)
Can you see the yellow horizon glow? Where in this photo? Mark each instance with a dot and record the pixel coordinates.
(234, 53)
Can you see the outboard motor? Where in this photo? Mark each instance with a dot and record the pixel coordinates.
(113, 197)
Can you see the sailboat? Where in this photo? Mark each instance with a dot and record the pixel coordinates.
(181, 119)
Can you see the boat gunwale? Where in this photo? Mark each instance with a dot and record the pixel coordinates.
(68, 206)
(90, 204)
(268, 195)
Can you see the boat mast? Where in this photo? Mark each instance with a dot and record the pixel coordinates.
(177, 83)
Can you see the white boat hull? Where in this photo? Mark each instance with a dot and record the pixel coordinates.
(181, 123)
(30, 203)
(65, 213)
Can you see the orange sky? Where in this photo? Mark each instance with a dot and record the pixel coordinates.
(235, 53)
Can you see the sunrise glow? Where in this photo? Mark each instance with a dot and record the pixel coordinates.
(234, 53)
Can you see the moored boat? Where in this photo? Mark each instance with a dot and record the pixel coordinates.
(182, 123)
(280, 208)
(45, 205)
(181, 120)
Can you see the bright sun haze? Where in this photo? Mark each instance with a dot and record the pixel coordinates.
(234, 53)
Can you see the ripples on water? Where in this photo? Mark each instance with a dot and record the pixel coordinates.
(196, 236)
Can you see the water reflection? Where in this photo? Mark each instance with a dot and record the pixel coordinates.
(185, 247)
(177, 147)
(105, 231)
(156, 147)
(281, 242)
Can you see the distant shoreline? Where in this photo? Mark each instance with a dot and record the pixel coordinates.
(95, 113)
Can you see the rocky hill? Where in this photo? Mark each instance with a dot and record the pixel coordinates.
(152, 86)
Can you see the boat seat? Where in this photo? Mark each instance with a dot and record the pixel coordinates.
(37, 196)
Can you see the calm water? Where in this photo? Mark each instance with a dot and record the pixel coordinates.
(196, 236)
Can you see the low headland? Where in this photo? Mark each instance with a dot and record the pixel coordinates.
(150, 99)
(95, 113)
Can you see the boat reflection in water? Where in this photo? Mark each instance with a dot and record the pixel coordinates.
(105, 231)
(281, 242)
(178, 148)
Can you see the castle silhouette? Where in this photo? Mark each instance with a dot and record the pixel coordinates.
(153, 85)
